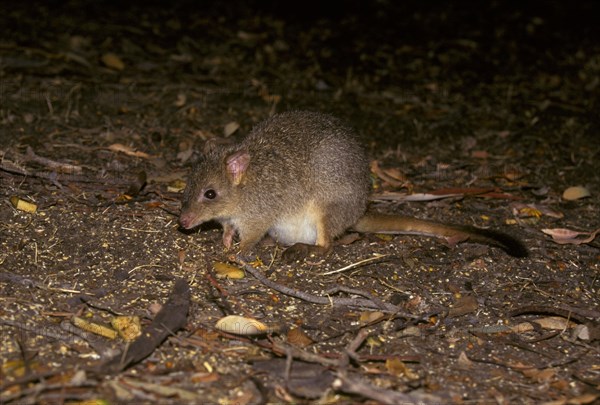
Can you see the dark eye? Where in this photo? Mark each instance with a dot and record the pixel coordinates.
(210, 194)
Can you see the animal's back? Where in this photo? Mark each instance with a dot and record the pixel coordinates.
(306, 159)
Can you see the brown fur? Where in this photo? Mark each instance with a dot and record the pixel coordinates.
(303, 178)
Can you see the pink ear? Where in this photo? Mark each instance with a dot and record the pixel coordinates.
(237, 163)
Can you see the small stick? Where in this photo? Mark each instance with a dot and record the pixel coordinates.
(353, 385)
(348, 290)
(578, 314)
(336, 301)
(354, 265)
(58, 166)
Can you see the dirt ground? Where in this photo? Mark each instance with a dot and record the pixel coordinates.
(106, 105)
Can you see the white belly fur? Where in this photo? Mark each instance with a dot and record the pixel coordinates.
(299, 228)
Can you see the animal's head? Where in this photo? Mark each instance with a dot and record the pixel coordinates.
(213, 188)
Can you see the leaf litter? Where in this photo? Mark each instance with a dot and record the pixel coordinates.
(421, 323)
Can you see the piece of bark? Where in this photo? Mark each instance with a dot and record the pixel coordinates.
(171, 318)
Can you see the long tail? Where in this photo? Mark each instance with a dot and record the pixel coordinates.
(373, 222)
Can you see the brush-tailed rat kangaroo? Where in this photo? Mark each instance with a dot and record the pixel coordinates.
(303, 178)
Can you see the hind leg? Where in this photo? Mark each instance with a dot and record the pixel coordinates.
(322, 246)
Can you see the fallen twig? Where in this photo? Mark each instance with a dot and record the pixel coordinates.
(55, 176)
(50, 331)
(354, 265)
(580, 315)
(344, 382)
(342, 288)
(296, 353)
(36, 392)
(95, 342)
(52, 164)
(27, 282)
(353, 385)
(335, 301)
(352, 347)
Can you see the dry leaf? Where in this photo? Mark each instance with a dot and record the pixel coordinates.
(184, 155)
(518, 365)
(23, 205)
(480, 154)
(528, 212)
(181, 256)
(112, 61)
(550, 212)
(564, 236)
(129, 327)
(398, 368)
(297, 337)
(155, 308)
(119, 147)
(583, 399)
(463, 306)
(414, 304)
(391, 176)
(225, 270)
(204, 377)
(582, 332)
(396, 174)
(575, 193)
(513, 173)
(551, 323)
(464, 362)
(391, 196)
(180, 100)
(367, 317)
(230, 128)
(240, 325)
(410, 331)
(372, 342)
(120, 391)
(176, 186)
(95, 328)
(97, 401)
(554, 322)
(498, 195)
(537, 375)
(534, 210)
